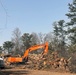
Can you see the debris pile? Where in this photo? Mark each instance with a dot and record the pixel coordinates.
(52, 61)
(44, 62)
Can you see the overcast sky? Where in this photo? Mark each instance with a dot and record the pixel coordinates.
(30, 16)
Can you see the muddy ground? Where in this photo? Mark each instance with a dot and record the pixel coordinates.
(31, 72)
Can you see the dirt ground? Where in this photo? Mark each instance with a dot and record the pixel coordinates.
(31, 72)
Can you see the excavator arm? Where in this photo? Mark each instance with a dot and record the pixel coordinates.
(35, 47)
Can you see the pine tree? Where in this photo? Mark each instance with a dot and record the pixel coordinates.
(62, 32)
(72, 24)
(59, 32)
(56, 34)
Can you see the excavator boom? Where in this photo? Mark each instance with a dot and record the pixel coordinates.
(35, 47)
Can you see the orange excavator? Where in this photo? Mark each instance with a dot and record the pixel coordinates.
(26, 53)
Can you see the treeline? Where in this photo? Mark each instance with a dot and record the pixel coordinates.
(62, 39)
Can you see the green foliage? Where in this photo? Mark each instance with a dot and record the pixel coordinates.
(26, 38)
(56, 30)
(59, 31)
(1, 49)
(8, 45)
(62, 31)
(72, 48)
(60, 36)
(72, 24)
(50, 48)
